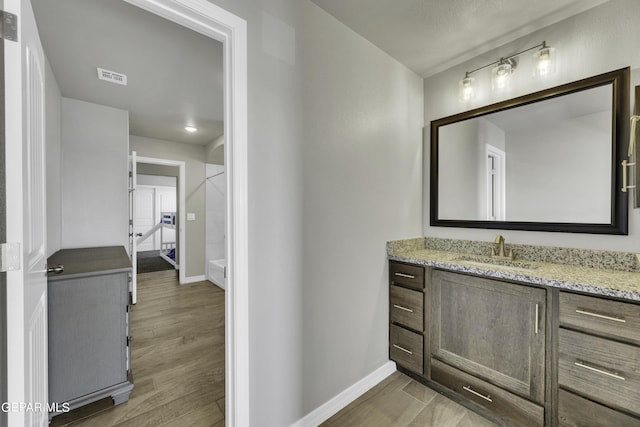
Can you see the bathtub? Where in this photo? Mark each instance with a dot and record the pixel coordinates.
(215, 272)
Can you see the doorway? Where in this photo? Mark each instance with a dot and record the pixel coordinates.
(156, 198)
(167, 169)
(206, 18)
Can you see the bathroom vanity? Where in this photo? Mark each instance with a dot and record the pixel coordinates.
(524, 342)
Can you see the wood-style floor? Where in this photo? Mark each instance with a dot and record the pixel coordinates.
(177, 359)
(399, 401)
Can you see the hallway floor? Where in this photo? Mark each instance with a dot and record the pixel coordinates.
(178, 359)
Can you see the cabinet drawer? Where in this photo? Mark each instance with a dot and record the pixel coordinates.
(411, 276)
(406, 307)
(600, 369)
(504, 404)
(575, 411)
(406, 348)
(602, 316)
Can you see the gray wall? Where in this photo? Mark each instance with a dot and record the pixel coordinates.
(95, 196)
(541, 181)
(157, 180)
(599, 40)
(462, 174)
(193, 156)
(53, 104)
(335, 131)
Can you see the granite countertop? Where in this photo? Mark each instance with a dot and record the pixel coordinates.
(614, 281)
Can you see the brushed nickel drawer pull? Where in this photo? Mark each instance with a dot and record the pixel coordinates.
(470, 390)
(600, 316)
(612, 374)
(403, 349)
(403, 308)
(537, 315)
(408, 276)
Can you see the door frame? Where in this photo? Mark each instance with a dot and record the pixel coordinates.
(182, 209)
(211, 20)
(3, 238)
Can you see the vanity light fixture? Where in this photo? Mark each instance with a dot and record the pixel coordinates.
(466, 88)
(191, 129)
(545, 61)
(504, 67)
(500, 75)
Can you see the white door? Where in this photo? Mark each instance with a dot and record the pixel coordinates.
(133, 245)
(145, 217)
(26, 221)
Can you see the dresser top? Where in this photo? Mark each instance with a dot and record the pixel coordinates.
(89, 261)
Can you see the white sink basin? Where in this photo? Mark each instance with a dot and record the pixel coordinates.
(496, 262)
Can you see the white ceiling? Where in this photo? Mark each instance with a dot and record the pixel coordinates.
(174, 74)
(430, 36)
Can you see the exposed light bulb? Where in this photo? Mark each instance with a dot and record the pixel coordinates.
(501, 74)
(545, 63)
(466, 88)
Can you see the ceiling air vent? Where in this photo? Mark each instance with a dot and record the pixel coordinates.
(112, 76)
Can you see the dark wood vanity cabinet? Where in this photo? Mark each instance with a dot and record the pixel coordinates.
(488, 344)
(598, 362)
(520, 355)
(408, 303)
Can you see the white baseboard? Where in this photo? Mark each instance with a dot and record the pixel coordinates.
(334, 405)
(193, 279)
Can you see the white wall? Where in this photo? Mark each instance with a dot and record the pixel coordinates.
(193, 156)
(601, 39)
(215, 212)
(95, 196)
(53, 101)
(215, 151)
(334, 172)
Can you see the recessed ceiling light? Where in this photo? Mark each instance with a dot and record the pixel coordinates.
(190, 129)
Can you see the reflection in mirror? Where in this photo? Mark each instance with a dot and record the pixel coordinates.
(544, 161)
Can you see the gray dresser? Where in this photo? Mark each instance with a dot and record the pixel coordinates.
(89, 351)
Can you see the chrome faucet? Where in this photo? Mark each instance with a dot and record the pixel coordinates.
(501, 250)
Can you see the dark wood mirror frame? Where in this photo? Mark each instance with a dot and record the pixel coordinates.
(636, 111)
(620, 79)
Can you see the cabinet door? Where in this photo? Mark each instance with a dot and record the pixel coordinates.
(492, 329)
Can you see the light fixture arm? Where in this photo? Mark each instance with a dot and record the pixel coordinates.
(542, 45)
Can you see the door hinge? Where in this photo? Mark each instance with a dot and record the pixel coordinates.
(8, 26)
(10, 255)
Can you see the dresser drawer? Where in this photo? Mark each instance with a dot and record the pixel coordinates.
(406, 307)
(411, 276)
(600, 369)
(575, 411)
(591, 314)
(406, 348)
(508, 406)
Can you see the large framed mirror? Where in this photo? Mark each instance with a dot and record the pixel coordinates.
(546, 161)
